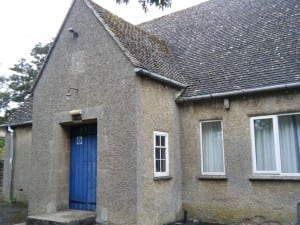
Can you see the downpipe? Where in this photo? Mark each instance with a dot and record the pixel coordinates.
(11, 162)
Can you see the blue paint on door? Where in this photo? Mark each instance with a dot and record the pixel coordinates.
(83, 167)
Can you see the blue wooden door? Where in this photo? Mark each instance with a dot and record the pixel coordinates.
(83, 167)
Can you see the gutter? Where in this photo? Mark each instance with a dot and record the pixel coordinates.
(158, 77)
(239, 92)
(16, 124)
(11, 162)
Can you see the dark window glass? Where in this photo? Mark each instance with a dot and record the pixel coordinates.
(157, 140)
(163, 140)
(157, 153)
(157, 165)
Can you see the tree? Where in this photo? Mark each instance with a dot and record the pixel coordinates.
(2, 145)
(144, 3)
(4, 96)
(4, 99)
(24, 73)
(16, 88)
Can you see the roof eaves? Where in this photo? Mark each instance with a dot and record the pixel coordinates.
(286, 86)
(51, 48)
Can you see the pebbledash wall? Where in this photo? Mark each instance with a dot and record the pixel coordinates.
(92, 74)
(99, 79)
(240, 194)
(159, 198)
(21, 164)
(102, 83)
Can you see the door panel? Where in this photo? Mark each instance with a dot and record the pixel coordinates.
(83, 167)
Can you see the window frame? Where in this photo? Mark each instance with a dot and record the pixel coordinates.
(201, 150)
(166, 135)
(278, 171)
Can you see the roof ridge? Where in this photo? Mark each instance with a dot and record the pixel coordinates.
(170, 14)
(227, 46)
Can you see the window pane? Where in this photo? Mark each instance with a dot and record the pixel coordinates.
(157, 140)
(163, 142)
(289, 138)
(160, 154)
(212, 147)
(163, 165)
(157, 165)
(264, 145)
(157, 153)
(163, 153)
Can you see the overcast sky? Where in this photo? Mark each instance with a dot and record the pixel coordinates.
(24, 23)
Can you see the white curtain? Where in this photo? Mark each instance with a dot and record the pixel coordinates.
(264, 145)
(212, 147)
(289, 138)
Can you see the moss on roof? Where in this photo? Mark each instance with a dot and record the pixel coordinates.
(146, 50)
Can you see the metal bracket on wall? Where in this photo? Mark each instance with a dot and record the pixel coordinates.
(72, 91)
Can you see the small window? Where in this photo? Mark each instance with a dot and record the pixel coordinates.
(212, 153)
(161, 154)
(275, 144)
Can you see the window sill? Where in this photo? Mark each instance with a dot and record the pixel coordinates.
(212, 177)
(162, 178)
(273, 178)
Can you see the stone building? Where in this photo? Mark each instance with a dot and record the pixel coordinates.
(18, 136)
(198, 110)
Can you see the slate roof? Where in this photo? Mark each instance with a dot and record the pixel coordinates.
(217, 47)
(230, 45)
(22, 115)
(142, 48)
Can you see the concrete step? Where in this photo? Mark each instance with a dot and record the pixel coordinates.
(67, 217)
(188, 222)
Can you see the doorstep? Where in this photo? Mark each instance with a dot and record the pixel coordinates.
(67, 217)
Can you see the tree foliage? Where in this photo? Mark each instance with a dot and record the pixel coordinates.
(2, 145)
(162, 4)
(4, 96)
(16, 88)
(24, 73)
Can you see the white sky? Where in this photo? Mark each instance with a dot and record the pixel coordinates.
(24, 23)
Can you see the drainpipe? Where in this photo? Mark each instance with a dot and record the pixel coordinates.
(11, 161)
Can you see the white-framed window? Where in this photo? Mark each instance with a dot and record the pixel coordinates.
(212, 150)
(161, 154)
(275, 144)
